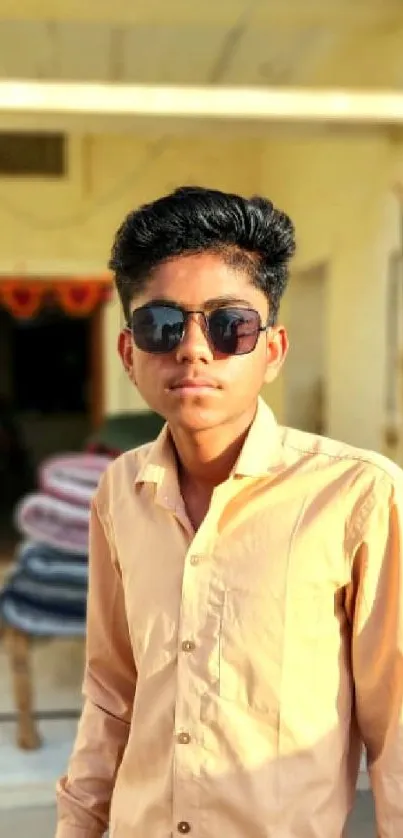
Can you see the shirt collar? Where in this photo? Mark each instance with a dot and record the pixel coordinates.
(261, 452)
(159, 460)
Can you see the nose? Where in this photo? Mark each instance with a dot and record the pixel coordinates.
(195, 346)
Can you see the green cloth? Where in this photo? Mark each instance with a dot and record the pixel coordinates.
(123, 431)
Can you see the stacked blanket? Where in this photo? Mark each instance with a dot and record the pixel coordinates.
(58, 515)
(72, 478)
(46, 593)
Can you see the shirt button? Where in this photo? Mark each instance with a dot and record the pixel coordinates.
(183, 827)
(184, 738)
(188, 646)
(194, 560)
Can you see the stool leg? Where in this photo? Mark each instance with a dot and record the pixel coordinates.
(18, 646)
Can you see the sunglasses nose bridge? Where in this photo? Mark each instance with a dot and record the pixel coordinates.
(195, 320)
(195, 342)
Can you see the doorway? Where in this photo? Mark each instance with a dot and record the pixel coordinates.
(50, 392)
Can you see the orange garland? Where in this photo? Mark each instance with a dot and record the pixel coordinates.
(23, 300)
(77, 297)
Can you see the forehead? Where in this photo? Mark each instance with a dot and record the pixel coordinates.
(194, 280)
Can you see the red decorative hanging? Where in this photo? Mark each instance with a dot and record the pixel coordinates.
(25, 297)
(79, 298)
(22, 299)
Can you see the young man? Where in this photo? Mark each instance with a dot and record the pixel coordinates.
(245, 611)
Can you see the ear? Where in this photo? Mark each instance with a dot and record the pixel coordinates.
(125, 349)
(277, 348)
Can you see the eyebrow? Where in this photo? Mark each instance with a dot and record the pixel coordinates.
(216, 302)
(227, 300)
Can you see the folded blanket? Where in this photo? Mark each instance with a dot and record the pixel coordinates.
(54, 522)
(48, 565)
(62, 599)
(45, 594)
(72, 477)
(42, 612)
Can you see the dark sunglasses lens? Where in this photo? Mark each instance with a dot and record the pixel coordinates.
(234, 331)
(157, 328)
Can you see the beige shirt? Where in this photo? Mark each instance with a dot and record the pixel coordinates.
(231, 673)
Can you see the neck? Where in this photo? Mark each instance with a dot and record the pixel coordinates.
(206, 458)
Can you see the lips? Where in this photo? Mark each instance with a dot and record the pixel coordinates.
(194, 384)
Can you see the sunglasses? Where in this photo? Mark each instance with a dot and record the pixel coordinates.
(159, 328)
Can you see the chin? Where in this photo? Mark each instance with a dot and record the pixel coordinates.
(195, 418)
(192, 413)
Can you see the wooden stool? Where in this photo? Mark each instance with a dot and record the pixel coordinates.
(18, 647)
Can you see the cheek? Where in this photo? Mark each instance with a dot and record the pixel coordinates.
(146, 370)
(247, 371)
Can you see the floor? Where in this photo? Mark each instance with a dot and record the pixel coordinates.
(27, 778)
(362, 824)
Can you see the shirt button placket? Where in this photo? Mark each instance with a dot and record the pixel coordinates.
(187, 646)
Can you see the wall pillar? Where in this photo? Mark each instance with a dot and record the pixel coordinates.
(356, 329)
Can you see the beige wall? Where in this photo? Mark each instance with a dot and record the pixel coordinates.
(338, 193)
(337, 189)
(68, 226)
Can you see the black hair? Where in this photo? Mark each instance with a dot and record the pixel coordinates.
(248, 232)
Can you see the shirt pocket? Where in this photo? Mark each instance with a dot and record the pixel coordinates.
(256, 632)
(315, 679)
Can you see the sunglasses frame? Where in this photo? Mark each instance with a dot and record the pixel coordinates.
(187, 313)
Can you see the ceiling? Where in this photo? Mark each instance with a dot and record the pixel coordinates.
(349, 43)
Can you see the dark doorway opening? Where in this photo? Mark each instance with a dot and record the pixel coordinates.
(50, 363)
(45, 390)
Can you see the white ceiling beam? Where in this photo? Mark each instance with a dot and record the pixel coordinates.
(185, 12)
(127, 102)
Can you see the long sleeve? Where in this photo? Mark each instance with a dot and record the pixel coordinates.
(84, 795)
(377, 652)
